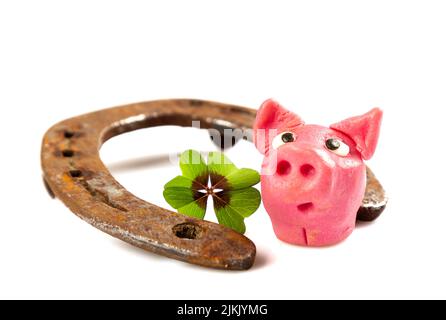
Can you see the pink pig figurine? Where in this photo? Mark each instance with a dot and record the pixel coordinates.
(313, 177)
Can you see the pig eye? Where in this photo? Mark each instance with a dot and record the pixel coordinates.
(281, 139)
(338, 147)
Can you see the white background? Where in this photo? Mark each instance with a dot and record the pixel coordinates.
(326, 60)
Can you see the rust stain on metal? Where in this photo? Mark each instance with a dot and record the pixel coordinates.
(375, 199)
(74, 173)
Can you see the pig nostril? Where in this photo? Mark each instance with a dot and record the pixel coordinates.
(307, 170)
(283, 168)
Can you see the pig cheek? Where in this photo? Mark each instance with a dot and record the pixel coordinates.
(346, 175)
(346, 193)
(269, 164)
(274, 192)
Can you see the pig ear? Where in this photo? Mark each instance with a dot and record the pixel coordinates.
(363, 130)
(271, 119)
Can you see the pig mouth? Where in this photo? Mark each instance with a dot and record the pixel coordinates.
(305, 207)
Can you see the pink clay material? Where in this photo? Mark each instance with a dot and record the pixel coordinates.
(312, 193)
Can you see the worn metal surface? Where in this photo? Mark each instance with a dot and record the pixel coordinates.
(375, 199)
(74, 173)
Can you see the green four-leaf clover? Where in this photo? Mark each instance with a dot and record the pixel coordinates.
(231, 189)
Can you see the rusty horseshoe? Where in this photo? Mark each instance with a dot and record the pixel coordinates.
(74, 173)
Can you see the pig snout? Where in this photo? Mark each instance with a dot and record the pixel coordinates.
(305, 171)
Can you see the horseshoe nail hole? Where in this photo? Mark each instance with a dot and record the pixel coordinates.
(68, 153)
(187, 231)
(75, 173)
(68, 134)
(283, 168)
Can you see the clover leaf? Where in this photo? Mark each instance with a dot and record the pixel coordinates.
(231, 188)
